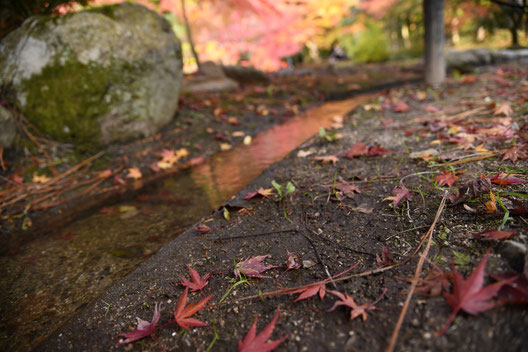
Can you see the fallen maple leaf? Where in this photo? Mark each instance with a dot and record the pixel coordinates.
(196, 160)
(377, 150)
(446, 178)
(357, 149)
(118, 179)
(259, 343)
(253, 267)
(517, 206)
(471, 189)
(399, 194)
(516, 291)
(515, 152)
(356, 311)
(293, 262)
(430, 108)
(309, 291)
(434, 283)
(491, 205)
(134, 173)
(144, 328)
(469, 295)
(40, 179)
(385, 259)
(327, 159)
(17, 179)
(182, 313)
(489, 234)
(504, 109)
(400, 106)
(505, 179)
(105, 173)
(197, 282)
(347, 189)
(264, 192)
(202, 228)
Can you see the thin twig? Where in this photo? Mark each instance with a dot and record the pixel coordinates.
(470, 159)
(416, 277)
(37, 143)
(253, 235)
(319, 257)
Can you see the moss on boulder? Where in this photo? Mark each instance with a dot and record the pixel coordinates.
(95, 77)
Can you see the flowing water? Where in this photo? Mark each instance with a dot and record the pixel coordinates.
(52, 277)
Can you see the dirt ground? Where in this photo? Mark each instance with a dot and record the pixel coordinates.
(339, 215)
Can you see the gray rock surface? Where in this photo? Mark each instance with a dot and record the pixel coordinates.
(7, 128)
(246, 75)
(466, 60)
(109, 74)
(211, 78)
(514, 253)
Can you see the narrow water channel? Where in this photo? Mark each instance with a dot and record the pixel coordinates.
(52, 277)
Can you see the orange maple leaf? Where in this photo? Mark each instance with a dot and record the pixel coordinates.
(134, 173)
(504, 109)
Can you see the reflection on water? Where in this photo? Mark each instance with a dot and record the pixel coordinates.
(228, 172)
(50, 278)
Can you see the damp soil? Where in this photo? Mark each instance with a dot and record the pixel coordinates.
(77, 249)
(332, 233)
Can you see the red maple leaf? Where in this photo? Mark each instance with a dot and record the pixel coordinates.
(144, 328)
(515, 152)
(197, 282)
(377, 150)
(504, 179)
(253, 267)
(489, 234)
(514, 292)
(446, 178)
(357, 149)
(400, 106)
(348, 189)
(469, 295)
(356, 311)
(182, 313)
(385, 259)
(399, 194)
(258, 343)
(310, 290)
(293, 262)
(202, 228)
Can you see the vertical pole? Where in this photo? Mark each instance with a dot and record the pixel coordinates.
(435, 66)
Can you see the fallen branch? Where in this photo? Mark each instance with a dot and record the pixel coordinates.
(423, 256)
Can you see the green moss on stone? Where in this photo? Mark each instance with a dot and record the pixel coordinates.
(74, 96)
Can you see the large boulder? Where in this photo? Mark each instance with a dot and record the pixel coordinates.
(109, 74)
(7, 128)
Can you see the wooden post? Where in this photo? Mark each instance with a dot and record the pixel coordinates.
(435, 65)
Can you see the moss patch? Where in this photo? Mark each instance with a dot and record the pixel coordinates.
(75, 97)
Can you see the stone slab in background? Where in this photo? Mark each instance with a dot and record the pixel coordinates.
(468, 59)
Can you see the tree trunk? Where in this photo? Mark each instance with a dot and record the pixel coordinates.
(189, 34)
(435, 70)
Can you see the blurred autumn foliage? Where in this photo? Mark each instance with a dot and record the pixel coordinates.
(273, 34)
